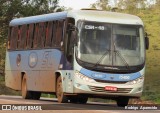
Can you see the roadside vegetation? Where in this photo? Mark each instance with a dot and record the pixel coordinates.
(147, 11)
(151, 20)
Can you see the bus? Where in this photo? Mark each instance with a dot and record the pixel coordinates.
(76, 55)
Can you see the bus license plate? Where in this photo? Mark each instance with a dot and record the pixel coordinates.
(110, 88)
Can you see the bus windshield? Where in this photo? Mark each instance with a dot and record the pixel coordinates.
(110, 44)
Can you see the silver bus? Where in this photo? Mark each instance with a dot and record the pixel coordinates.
(76, 55)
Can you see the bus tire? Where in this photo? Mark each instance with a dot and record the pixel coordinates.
(25, 93)
(36, 95)
(122, 101)
(59, 91)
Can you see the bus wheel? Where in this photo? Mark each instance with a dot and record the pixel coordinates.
(122, 101)
(36, 95)
(25, 93)
(59, 91)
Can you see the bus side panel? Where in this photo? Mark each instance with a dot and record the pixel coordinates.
(12, 71)
(48, 80)
(41, 81)
(13, 80)
(68, 80)
(40, 66)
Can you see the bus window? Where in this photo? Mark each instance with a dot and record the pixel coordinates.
(30, 36)
(41, 35)
(35, 36)
(23, 36)
(18, 39)
(14, 37)
(57, 33)
(49, 34)
(54, 33)
(126, 37)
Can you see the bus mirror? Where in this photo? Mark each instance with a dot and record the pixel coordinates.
(73, 28)
(74, 37)
(147, 41)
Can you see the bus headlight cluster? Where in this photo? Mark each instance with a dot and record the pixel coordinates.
(136, 81)
(83, 77)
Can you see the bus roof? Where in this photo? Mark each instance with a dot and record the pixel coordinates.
(105, 16)
(38, 18)
(89, 15)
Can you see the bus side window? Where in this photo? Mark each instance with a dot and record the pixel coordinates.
(35, 40)
(9, 38)
(23, 36)
(14, 37)
(30, 36)
(49, 34)
(54, 34)
(41, 35)
(59, 32)
(18, 39)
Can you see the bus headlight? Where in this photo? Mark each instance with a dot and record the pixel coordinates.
(83, 77)
(136, 81)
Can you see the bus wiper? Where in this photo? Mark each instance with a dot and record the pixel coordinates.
(125, 62)
(102, 57)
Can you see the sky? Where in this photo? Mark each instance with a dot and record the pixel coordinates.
(76, 4)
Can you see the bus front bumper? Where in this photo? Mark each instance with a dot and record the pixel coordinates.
(134, 91)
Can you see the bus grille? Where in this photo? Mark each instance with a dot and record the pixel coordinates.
(113, 82)
(102, 90)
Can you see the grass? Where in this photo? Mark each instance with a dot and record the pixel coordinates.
(48, 95)
(152, 78)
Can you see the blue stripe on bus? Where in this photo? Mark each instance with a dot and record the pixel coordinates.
(110, 77)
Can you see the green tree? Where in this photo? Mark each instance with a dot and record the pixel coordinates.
(101, 4)
(158, 4)
(132, 6)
